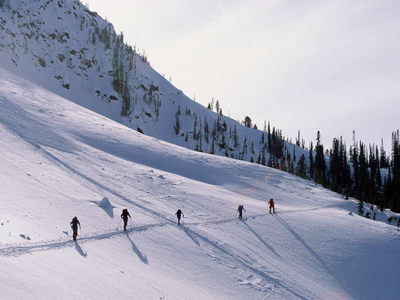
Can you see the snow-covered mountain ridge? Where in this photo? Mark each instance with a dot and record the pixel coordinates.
(59, 160)
(66, 48)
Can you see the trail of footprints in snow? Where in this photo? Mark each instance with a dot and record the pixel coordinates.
(17, 250)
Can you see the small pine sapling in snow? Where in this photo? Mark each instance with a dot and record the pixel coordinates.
(360, 208)
(212, 147)
(177, 125)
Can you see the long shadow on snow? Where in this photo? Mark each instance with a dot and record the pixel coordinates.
(135, 249)
(313, 253)
(261, 240)
(20, 250)
(80, 250)
(188, 233)
(244, 263)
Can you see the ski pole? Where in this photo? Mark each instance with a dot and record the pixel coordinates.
(119, 223)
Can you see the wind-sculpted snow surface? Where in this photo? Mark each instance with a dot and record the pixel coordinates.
(59, 160)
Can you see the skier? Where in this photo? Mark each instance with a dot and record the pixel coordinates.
(240, 210)
(125, 214)
(179, 214)
(271, 205)
(74, 225)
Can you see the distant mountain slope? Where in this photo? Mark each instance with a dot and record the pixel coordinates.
(70, 50)
(59, 160)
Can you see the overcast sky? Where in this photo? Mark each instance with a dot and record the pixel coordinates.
(332, 66)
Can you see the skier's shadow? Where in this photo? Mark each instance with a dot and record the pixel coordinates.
(80, 250)
(193, 238)
(135, 249)
(261, 240)
(313, 253)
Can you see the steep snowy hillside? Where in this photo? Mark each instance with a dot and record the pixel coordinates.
(73, 52)
(59, 160)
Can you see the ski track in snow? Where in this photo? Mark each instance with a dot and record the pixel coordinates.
(21, 249)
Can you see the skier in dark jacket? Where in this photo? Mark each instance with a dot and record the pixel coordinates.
(179, 214)
(125, 214)
(74, 225)
(271, 205)
(240, 210)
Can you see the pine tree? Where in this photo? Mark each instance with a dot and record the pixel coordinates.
(126, 97)
(217, 107)
(244, 150)
(116, 72)
(269, 139)
(263, 158)
(222, 144)
(294, 154)
(360, 208)
(206, 131)
(354, 154)
(247, 122)
(311, 159)
(320, 165)
(395, 166)
(212, 147)
(364, 174)
(301, 169)
(235, 137)
(383, 159)
(298, 139)
(195, 128)
(177, 125)
(335, 167)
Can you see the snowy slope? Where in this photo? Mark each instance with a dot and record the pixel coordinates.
(59, 160)
(59, 45)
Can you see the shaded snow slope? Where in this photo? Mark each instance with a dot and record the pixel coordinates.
(59, 160)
